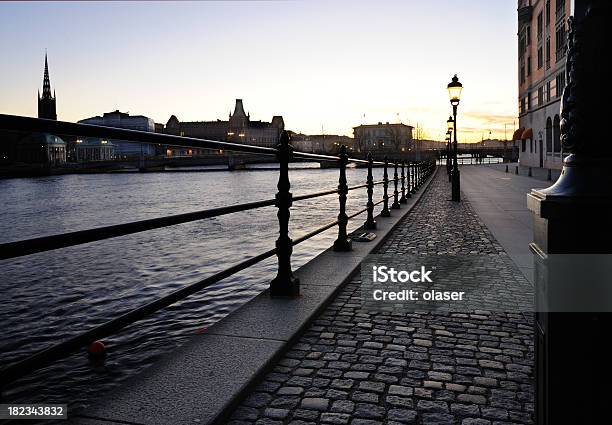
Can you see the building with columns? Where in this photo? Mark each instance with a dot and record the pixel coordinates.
(123, 149)
(542, 42)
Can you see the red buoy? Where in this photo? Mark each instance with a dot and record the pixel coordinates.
(96, 350)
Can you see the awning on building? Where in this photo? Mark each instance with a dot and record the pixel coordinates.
(527, 134)
(518, 133)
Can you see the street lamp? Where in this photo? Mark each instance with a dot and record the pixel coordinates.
(448, 155)
(454, 93)
(449, 132)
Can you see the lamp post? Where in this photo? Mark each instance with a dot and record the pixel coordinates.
(449, 132)
(454, 92)
(448, 155)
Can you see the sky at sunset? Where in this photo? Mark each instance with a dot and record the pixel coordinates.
(323, 65)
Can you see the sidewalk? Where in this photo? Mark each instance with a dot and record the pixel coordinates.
(500, 200)
(353, 366)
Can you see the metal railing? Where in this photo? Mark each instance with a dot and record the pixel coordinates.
(413, 174)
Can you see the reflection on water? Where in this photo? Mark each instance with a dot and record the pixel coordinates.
(50, 296)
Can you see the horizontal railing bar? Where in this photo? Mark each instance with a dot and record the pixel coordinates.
(329, 225)
(30, 124)
(56, 352)
(48, 243)
(316, 156)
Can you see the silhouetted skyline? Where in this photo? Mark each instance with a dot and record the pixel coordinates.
(321, 65)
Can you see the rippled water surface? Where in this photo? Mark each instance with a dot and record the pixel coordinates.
(50, 296)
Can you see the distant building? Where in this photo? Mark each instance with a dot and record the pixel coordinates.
(41, 148)
(321, 143)
(383, 137)
(94, 149)
(46, 102)
(542, 38)
(239, 128)
(126, 148)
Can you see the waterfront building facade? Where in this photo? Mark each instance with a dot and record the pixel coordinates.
(94, 149)
(542, 42)
(383, 138)
(124, 149)
(41, 148)
(239, 128)
(321, 143)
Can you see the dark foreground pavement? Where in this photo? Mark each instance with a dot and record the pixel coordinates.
(354, 366)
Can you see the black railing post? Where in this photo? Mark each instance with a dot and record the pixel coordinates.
(343, 243)
(396, 204)
(411, 172)
(408, 181)
(403, 199)
(370, 223)
(421, 167)
(385, 211)
(285, 284)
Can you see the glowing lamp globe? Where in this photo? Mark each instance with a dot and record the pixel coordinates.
(454, 90)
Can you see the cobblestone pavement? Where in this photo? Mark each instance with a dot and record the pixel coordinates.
(360, 367)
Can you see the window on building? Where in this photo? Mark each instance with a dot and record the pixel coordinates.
(522, 108)
(560, 42)
(522, 47)
(560, 79)
(560, 9)
(549, 135)
(528, 65)
(540, 95)
(528, 101)
(547, 12)
(557, 134)
(523, 145)
(522, 73)
(548, 91)
(540, 58)
(528, 35)
(548, 53)
(540, 28)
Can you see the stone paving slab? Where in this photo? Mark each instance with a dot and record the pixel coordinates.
(360, 367)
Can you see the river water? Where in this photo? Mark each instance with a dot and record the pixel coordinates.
(50, 296)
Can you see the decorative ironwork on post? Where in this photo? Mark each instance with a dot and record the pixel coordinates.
(396, 205)
(370, 222)
(343, 243)
(403, 199)
(385, 211)
(285, 284)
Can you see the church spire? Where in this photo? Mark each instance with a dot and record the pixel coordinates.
(46, 94)
(46, 102)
